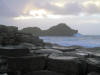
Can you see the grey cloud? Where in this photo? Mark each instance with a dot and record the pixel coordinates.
(92, 9)
(13, 8)
(4, 10)
(69, 8)
(72, 7)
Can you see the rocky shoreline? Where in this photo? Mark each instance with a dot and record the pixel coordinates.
(25, 54)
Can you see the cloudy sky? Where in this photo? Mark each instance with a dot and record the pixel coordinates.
(83, 15)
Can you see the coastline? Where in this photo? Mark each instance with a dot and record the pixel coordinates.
(25, 54)
(85, 41)
(50, 59)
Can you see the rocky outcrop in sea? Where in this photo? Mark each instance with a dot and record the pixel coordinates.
(59, 30)
(25, 54)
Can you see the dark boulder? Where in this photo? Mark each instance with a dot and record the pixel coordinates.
(30, 46)
(28, 38)
(96, 55)
(93, 73)
(63, 64)
(3, 65)
(77, 54)
(43, 72)
(13, 51)
(7, 34)
(93, 65)
(26, 63)
(13, 73)
(3, 29)
(63, 48)
(47, 51)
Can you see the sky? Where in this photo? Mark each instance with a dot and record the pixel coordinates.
(82, 15)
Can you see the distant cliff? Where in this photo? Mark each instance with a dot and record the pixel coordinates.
(58, 30)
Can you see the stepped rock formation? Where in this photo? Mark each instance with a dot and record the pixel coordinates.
(10, 35)
(59, 30)
(25, 54)
(15, 43)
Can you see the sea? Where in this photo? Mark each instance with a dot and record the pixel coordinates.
(81, 40)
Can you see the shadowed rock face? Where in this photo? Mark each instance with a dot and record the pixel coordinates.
(59, 30)
(93, 65)
(15, 43)
(94, 73)
(63, 64)
(7, 35)
(16, 59)
(44, 72)
(26, 63)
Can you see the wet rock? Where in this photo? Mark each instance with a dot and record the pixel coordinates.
(76, 47)
(93, 73)
(95, 52)
(63, 64)
(3, 65)
(86, 51)
(48, 45)
(3, 74)
(47, 51)
(29, 46)
(1, 39)
(43, 72)
(26, 63)
(92, 52)
(95, 55)
(13, 51)
(93, 65)
(7, 34)
(77, 54)
(64, 49)
(14, 73)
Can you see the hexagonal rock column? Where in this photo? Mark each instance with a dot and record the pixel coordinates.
(77, 54)
(64, 49)
(93, 65)
(63, 64)
(14, 73)
(93, 73)
(47, 51)
(44, 72)
(13, 51)
(96, 55)
(82, 57)
(3, 65)
(26, 63)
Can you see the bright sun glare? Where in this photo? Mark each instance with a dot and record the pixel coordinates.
(96, 2)
(40, 13)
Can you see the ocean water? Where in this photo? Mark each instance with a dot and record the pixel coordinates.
(86, 41)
